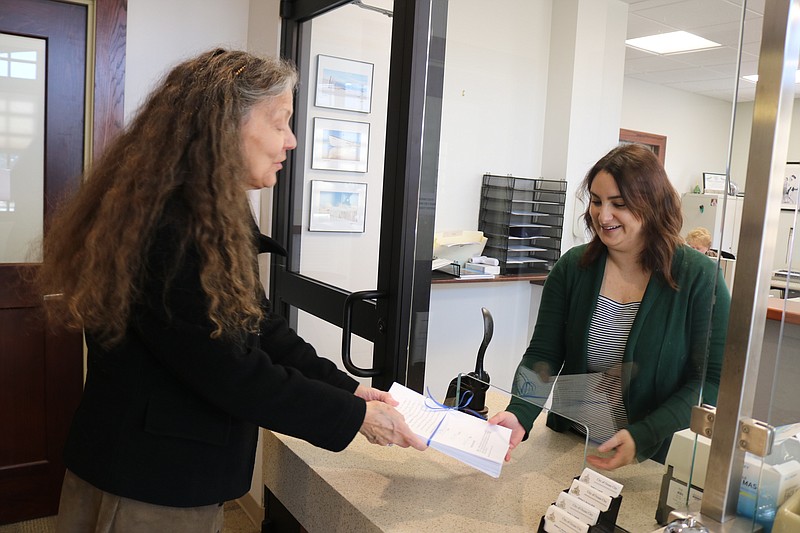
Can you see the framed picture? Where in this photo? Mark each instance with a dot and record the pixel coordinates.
(343, 84)
(791, 182)
(340, 145)
(338, 206)
(713, 182)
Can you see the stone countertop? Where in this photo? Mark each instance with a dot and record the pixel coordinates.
(372, 488)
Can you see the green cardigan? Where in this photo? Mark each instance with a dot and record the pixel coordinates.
(665, 352)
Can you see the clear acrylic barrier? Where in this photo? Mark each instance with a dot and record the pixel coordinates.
(480, 398)
(576, 399)
(548, 461)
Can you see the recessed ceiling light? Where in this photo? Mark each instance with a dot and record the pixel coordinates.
(674, 42)
(754, 77)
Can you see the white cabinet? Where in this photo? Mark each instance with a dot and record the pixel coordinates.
(700, 210)
(729, 234)
(706, 210)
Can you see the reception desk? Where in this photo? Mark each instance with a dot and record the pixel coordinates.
(372, 488)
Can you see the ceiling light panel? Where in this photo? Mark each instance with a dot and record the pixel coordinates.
(674, 42)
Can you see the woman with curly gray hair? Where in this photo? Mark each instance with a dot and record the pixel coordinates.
(156, 259)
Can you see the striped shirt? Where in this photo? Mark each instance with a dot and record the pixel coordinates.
(602, 409)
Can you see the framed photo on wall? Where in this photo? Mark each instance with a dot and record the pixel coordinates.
(713, 182)
(791, 183)
(344, 84)
(338, 206)
(340, 145)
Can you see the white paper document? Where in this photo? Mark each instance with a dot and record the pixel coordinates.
(467, 438)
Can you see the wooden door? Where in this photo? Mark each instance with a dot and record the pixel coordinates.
(41, 369)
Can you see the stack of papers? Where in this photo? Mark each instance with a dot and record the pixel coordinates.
(439, 263)
(469, 439)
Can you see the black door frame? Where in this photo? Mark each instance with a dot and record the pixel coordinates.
(396, 323)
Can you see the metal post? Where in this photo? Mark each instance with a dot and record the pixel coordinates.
(769, 141)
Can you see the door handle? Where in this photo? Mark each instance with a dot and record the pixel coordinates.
(348, 311)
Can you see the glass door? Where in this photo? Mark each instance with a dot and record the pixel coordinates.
(351, 209)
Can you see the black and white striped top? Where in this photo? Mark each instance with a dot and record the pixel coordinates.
(602, 409)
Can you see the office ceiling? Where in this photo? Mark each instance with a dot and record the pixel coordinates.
(711, 72)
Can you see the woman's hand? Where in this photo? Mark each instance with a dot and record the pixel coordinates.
(624, 452)
(384, 425)
(509, 420)
(370, 393)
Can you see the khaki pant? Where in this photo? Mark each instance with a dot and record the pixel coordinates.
(87, 509)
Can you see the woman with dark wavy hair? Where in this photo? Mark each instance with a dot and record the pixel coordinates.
(156, 258)
(633, 323)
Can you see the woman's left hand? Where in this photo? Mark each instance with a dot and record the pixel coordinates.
(369, 394)
(623, 448)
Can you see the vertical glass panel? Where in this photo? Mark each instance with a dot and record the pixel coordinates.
(768, 483)
(340, 157)
(22, 93)
(342, 104)
(545, 89)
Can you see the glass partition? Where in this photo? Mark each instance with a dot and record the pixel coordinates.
(769, 482)
(342, 108)
(339, 162)
(544, 90)
(548, 463)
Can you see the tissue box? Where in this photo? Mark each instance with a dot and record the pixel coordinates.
(780, 479)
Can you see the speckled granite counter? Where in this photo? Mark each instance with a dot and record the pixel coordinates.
(371, 488)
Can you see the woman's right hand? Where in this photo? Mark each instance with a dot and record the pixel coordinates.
(384, 425)
(509, 420)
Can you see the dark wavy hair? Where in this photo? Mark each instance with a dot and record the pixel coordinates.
(183, 144)
(650, 197)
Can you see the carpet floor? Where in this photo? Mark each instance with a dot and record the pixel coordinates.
(236, 521)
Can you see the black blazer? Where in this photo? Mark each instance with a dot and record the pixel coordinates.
(170, 416)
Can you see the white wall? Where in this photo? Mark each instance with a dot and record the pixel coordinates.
(587, 62)
(493, 104)
(455, 327)
(741, 141)
(161, 34)
(697, 129)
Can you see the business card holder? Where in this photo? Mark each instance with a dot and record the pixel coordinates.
(606, 523)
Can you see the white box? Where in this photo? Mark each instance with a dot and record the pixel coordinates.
(770, 481)
(680, 455)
